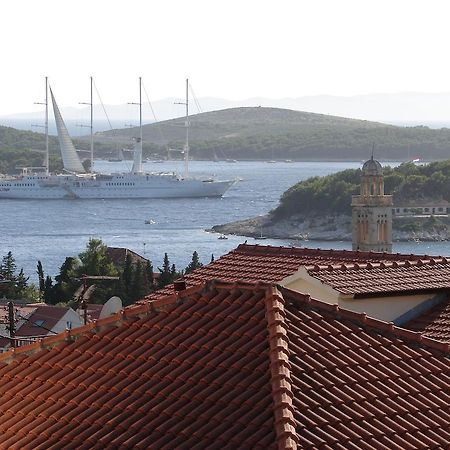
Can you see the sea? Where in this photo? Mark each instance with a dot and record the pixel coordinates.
(51, 230)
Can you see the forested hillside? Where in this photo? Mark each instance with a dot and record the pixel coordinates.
(246, 134)
(272, 133)
(332, 194)
(20, 148)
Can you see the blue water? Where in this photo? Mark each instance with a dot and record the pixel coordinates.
(53, 229)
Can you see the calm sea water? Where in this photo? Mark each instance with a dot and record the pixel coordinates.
(51, 230)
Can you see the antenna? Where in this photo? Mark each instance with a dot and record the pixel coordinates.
(81, 300)
(373, 149)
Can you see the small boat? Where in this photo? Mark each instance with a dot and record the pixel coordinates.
(150, 222)
(222, 237)
(261, 236)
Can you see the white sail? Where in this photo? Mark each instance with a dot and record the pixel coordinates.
(71, 160)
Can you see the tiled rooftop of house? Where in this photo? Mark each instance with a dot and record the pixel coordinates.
(118, 256)
(252, 263)
(43, 318)
(434, 323)
(228, 366)
(422, 275)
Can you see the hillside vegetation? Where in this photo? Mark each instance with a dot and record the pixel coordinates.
(273, 133)
(331, 194)
(246, 133)
(20, 148)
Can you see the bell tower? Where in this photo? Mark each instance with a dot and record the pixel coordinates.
(372, 211)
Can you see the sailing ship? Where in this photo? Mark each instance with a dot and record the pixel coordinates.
(77, 183)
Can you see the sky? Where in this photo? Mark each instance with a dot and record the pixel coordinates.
(233, 49)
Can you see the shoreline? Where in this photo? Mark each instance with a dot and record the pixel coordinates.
(332, 228)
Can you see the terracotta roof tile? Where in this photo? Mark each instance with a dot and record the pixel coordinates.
(386, 278)
(269, 367)
(46, 315)
(260, 263)
(434, 323)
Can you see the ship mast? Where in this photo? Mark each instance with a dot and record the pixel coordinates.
(46, 162)
(137, 162)
(186, 124)
(91, 126)
(186, 145)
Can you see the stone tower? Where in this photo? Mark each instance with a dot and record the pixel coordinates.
(372, 212)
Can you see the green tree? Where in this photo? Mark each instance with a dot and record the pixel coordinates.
(41, 277)
(138, 289)
(8, 266)
(95, 260)
(166, 275)
(65, 282)
(48, 293)
(149, 276)
(17, 288)
(194, 264)
(127, 280)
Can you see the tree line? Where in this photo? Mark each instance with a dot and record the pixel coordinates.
(331, 194)
(136, 279)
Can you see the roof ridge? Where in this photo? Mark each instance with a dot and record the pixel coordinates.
(322, 251)
(430, 261)
(280, 373)
(363, 320)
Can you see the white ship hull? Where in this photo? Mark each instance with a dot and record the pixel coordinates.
(80, 185)
(119, 186)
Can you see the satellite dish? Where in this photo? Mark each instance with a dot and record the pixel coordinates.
(112, 306)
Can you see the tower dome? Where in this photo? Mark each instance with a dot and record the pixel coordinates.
(372, 168)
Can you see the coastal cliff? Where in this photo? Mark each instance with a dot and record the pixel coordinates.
(319, 208)
(334, 228)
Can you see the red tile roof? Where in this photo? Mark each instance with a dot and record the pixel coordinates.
(386, 277)
(228, 366)
(118, 256)
(360, 383)
(46, 316)
(252, 263)
(434, 323)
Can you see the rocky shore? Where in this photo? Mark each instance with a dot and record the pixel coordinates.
(334, 228)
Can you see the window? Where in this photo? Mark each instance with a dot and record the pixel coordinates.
(68, 325)
(38, 323)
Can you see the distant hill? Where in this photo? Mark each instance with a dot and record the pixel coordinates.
(253, 133)
(274, 133)
(20, 148)
(396, 108)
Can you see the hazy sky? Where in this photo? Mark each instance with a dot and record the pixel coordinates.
(233, 49)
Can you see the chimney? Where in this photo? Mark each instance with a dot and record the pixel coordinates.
(179, 285)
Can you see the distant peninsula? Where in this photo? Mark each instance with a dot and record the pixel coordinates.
(319, 208)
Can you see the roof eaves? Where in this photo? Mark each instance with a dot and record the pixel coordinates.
(366, 322)
(115, 320)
